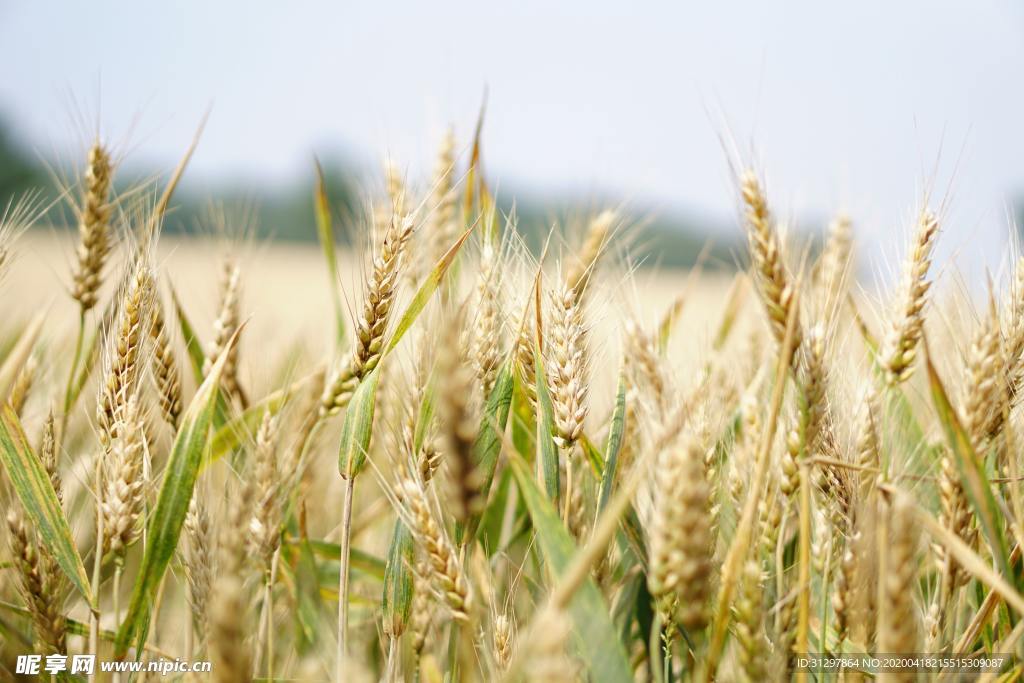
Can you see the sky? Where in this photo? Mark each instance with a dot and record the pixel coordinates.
(863, 106)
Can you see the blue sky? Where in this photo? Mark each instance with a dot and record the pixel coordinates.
(843, 103)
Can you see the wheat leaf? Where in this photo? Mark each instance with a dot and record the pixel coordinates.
(35, 491)
(172, 503)
(325, 233)
(972, 473)
(614, 445)
(358, 426)
(595, 635)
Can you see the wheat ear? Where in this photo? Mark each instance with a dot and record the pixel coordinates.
(440, 229)
(898, 628)
(446, 571)
(199, 555)
(229, 653)
(40, 585)
(372, 325)
(224, 328)
(774, 282)
(900, 346)
(22, 385)
(487, 341)
(124, 485)
(582, 267)
(164, 367)
(680, 536)
(749, 614)
(986, 384)
(93, 227)
(568, 371)
(265, 525)
(459, 426)
(122, 360)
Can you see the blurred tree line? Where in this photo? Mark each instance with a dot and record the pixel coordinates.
(287, 213)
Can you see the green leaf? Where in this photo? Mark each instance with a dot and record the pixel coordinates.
(547, 451)
(192, 343)
(325, 233)
(396, 603)
(596, 636)
(614, 445)
(234, 431)
(358, 426)
(369, 564)
(487, 445)
(309, 612)
(167, 518)
(424, 416)
(592, 454)
(32, 485)
(492, 520)
(972, 471)
(426, 290)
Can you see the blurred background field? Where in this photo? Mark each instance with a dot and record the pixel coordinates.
(589, 105)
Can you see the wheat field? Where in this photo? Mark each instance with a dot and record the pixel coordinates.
(438, 456)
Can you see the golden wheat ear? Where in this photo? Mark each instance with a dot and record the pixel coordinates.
(94, 213)
(229, 601)
(122, 360)
(907, 326)
(767, 257)
(680, 536)
(445, 570)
